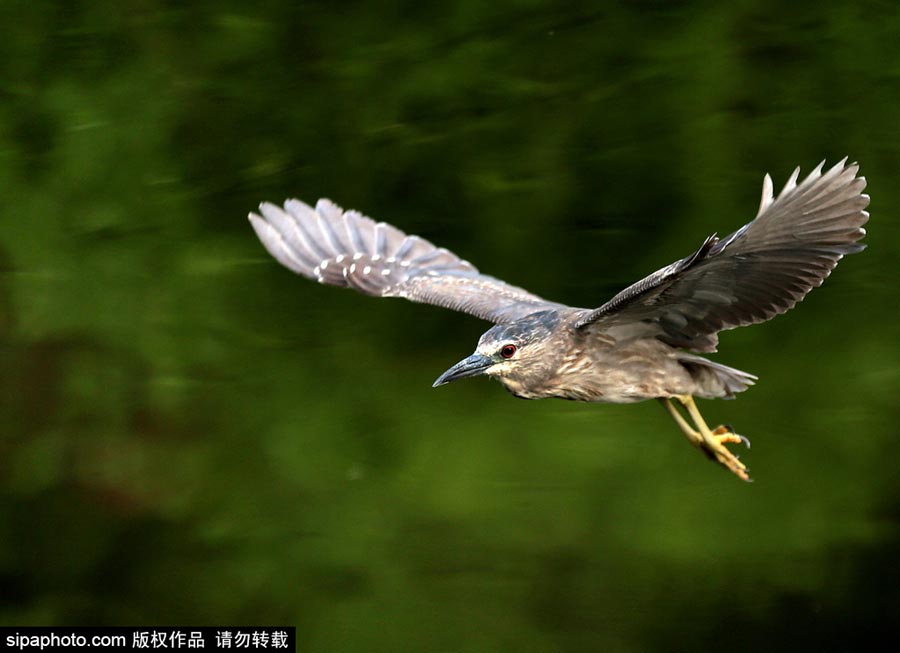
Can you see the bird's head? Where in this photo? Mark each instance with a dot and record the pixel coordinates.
(517, 354)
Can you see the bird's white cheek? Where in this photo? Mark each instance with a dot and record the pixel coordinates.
(499, 369)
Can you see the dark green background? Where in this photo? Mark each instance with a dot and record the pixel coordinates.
(193, 435)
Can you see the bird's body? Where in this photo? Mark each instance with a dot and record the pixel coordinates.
(641, 344)
(594, 366)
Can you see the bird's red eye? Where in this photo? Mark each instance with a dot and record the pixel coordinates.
(508, 351)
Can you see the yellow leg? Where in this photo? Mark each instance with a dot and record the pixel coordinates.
(710, 441)
(686, 428)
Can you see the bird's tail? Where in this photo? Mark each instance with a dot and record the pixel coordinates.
(714, 380)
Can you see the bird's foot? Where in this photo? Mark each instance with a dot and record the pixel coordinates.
(710, 441)
(726, 433)
(714, 447)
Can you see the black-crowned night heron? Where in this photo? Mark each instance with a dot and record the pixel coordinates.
(642, 343)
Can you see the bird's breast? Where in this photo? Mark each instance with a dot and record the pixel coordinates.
(615, 372)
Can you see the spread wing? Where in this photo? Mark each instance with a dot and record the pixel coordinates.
(761, 270)
(346, 248)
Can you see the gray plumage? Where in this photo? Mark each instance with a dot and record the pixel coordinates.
(643, 342)
(346, 248)
(761, 270)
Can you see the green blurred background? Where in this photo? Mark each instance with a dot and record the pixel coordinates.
(193, 435)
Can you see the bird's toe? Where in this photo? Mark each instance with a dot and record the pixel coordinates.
(725, 433)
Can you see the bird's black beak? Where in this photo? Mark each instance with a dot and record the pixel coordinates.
(472, 366)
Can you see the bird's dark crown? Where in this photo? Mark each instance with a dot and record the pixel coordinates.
(523, 331)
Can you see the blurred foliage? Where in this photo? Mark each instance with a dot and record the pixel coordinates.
(191, 434)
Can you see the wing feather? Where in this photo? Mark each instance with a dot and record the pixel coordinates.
(348, 249)
(761, 270)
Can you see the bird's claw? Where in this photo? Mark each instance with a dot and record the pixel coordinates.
(725, 433)
(717, 451)
(710, 441)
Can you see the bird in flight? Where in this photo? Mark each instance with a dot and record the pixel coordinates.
(645, 342)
